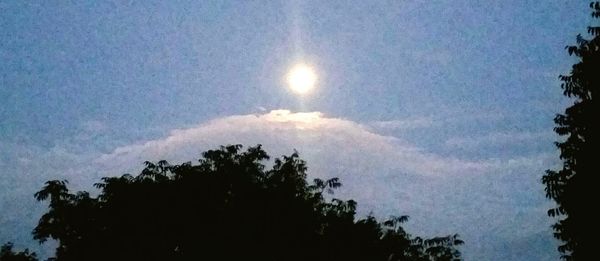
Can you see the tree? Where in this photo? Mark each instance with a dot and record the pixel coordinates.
(7, 254)
(227, 207)
(571, 187)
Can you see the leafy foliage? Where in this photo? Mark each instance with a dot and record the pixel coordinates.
(571, 186)
(227, 207)
(7, 254)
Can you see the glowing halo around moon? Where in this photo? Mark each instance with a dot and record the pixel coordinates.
(301, 78)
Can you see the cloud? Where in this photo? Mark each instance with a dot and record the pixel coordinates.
(315, 136)
(385, 174)
(499, 139)
(446, 118)
(410, 123)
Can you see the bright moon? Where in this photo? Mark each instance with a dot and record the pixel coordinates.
(301, 78)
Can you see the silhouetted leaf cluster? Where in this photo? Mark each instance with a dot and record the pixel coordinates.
(227, 207)
(572, 186)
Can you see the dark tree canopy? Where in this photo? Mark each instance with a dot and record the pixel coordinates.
(227, 207)
(573, 185)
(7, 254)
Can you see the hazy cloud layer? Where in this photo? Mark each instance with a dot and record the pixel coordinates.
(493, 203)
(412, 123)
(500, 139)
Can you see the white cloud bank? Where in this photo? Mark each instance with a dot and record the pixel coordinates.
(323, 141)
(492, 203)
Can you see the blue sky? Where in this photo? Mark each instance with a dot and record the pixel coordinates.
(466, 88)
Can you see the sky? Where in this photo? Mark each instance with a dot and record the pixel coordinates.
(440, 110)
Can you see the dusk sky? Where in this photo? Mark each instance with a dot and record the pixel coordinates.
(440, 110)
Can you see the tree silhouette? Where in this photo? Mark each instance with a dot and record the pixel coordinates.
(7, 254)
(572, 186)
(227, 207)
